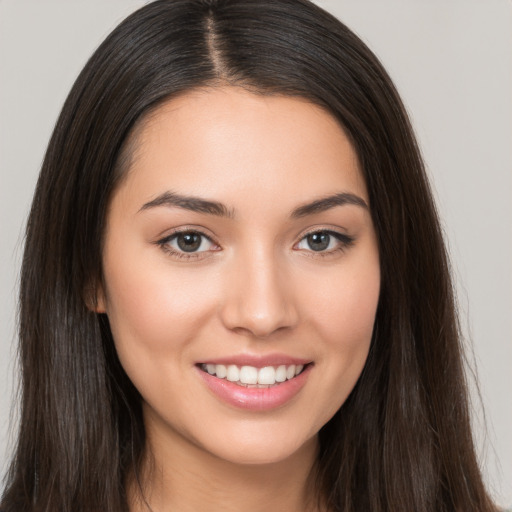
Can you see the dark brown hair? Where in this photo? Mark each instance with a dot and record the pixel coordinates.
(402, 441)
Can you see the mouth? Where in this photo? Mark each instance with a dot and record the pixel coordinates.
(266, 384)
(252, 376)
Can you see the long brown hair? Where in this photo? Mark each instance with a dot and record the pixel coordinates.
(402, 441)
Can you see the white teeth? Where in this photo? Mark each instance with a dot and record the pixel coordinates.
(281, 373)
(290, 372)
(267, 375)
(233, 373)
(221, 371)
(249, 375)
(253, 377)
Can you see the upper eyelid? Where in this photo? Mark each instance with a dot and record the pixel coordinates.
(200, 233)
(344, 242)
(321, 230)
(341, 237)
(163, 244)
(331, 230)
(188, 229)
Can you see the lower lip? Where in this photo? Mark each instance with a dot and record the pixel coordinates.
(256, 399)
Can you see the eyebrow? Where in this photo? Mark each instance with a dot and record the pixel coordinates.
(326, 203)
(197, 204)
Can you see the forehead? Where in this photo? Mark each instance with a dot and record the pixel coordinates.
(227, 142)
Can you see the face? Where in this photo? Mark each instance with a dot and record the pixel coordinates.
(241, 272)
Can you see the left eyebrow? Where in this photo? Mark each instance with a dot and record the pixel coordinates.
(195, 204)
(326, 203)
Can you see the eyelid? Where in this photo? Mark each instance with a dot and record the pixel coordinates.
(336, 231)
(186, 228)
(163, 243)
(345, 241)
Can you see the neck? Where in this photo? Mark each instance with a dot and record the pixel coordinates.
(181, 476)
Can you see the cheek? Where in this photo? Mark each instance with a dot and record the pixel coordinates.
(343, 313)
(152, 309)
(344, 307)
(352, 314)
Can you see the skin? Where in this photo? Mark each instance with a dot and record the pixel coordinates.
(256, 288)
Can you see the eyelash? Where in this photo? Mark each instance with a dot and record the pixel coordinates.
(164, 244)
(345, 242)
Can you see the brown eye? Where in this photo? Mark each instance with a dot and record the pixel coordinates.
(189, 242)
(318, 241)
(325, 242)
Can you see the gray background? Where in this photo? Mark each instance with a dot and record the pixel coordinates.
(452, 63)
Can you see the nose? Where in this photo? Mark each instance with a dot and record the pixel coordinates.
(259, 298)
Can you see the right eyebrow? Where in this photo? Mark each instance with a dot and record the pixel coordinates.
(326, 203)
(195, 204)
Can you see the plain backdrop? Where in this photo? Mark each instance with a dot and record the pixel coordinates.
(451, 61)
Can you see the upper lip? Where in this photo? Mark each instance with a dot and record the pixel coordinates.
(258, 361)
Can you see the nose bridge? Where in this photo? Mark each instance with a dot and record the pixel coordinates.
(258, 300)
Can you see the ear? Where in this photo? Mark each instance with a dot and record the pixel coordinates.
(94, 298)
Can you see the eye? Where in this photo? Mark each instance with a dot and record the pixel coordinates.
(325, 241)
(187, 243)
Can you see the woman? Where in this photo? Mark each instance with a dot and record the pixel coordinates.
(240, 294)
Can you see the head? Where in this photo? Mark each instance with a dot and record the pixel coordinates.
(287, 49)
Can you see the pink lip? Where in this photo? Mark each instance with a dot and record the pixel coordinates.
(255, 399)
(258, 361)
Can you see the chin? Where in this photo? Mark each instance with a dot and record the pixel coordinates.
(263, 449)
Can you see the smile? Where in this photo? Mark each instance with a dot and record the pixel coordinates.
(265, 386)
(252, 377)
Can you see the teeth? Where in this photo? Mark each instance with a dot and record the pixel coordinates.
(249, 375)
(281, 373)
(267, 375)
(220, 370)
(233, 374)
(253, 377)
